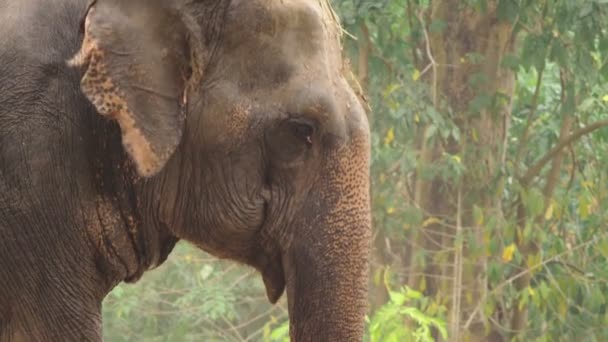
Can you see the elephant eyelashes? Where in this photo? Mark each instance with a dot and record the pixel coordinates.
(290, 141)
(303, 130)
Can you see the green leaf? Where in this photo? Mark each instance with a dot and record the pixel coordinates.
(534, 202)
(480, 102)
(558, 53)
(602, 246)
(412, 216)
(507, 10)
(437, 26)
(280, 333)
(510, 61)
(118, 291)
(535, 50)
(587, 104)
(397, 298)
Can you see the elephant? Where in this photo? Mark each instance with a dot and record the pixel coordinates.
(129, 125)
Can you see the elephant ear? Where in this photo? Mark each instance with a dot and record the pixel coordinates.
(136, 59)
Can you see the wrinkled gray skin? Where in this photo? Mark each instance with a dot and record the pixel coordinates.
(227, 124)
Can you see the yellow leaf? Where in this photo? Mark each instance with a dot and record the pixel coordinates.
(417, 118)
(390, 136)
(584, 207)
(532, 261)
(390, 210)
(390, 89)
(478, 215)
(469, 297)
(531, 291)
(507, 253)
(605, 98)
(562, 308)
(549, 211)
(422, 286)
(378, 276)
(266, 331)
(520, 234)
(387, 278)
(416, 75)
(430, 221)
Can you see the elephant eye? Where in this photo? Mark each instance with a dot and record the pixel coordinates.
(303, 130)
(291, 141)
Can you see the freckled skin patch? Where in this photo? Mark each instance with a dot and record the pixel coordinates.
(109, 101)
(136, 70)
(239, 120)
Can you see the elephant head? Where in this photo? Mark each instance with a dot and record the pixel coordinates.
(248, 139)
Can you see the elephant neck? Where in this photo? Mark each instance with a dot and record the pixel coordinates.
(129, 239)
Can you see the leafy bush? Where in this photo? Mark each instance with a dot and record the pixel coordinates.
(408, 316)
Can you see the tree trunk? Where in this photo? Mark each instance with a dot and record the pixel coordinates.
(466, 77)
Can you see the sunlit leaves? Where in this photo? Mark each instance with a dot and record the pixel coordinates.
(507, 253)
(390, 136)
(276, 332)
(415, 75)
(408, 316)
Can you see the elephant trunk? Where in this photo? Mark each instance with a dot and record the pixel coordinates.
(327, 264)
(327, 293)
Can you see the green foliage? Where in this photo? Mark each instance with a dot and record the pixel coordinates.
(192, 297)
(401, 319)
(280, 333)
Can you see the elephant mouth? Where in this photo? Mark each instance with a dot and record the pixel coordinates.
(273, 276)
(270, 264)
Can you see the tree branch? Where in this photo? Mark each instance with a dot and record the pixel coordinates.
(429, 54)
(457, 287)
(540, 265)
(536, 168)
(363, 61)
(409, 14)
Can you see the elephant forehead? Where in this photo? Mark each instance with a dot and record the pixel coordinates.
(270, 44)
(288, 31)
(267, 16)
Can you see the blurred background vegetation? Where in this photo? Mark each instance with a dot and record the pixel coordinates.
(490, 185)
